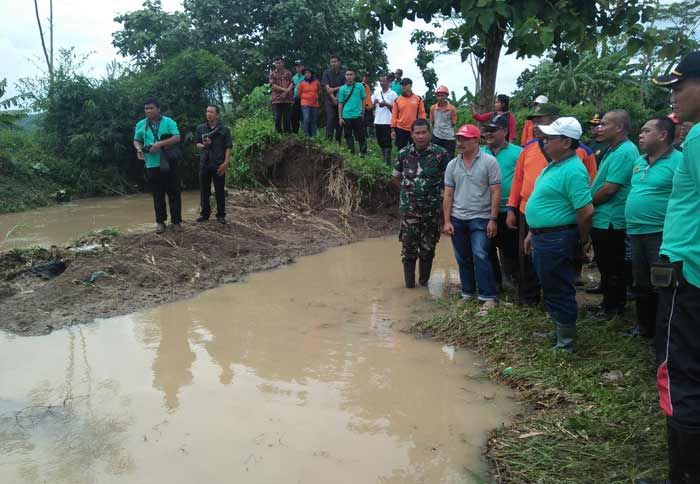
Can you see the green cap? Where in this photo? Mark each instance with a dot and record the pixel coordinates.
(544, 109)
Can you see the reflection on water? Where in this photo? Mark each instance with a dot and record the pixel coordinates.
(62, 224)
(297, 375)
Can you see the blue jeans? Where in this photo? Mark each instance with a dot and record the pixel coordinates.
(472, 248)
(310, 116)
(554, 258)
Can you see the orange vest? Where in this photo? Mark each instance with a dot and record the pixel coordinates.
(530, 164)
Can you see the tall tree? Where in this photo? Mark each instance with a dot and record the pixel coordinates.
(48, 54)
(525, 27)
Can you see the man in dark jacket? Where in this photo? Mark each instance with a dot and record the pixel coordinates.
(214, 142)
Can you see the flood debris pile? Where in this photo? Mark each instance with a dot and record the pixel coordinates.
(125, 273)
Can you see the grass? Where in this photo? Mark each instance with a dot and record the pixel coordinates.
(583, 428)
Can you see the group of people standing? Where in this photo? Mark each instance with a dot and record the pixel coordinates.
(545, 205)
(352, 108)
(525, 216)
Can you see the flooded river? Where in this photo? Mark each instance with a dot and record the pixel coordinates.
(62, 224)
(297, 375)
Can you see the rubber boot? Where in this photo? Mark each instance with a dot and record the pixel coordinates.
(409, 273)
(683, 445)
(424, 268)
(566, 337)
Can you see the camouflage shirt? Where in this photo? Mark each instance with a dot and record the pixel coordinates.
(421, 179)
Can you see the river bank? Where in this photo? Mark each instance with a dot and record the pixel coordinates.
(136, 271)
(595, 415)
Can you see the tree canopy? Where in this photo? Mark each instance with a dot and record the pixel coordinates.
(248, 35)
(524, 27)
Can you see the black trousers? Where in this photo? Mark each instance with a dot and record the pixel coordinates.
(296, 115)
(282, 113)
(355, 129)
(504, 252)
(162, 183)
(369, 122)
(449, 145)
(333, 128)
(207, 175)
(645, 252)
(403, 138)
(383, 132)
(528, 285)
(609, 248)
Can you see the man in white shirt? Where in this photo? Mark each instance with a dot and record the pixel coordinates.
(383, 100)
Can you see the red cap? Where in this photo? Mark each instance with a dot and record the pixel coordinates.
(442, 90)
(674, 117)
(469, 131)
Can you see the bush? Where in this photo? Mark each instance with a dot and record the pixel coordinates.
(31, 177)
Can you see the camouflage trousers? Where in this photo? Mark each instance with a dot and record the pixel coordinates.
(419, 234)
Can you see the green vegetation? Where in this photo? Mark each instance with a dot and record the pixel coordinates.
(253, 133)
(31, 177)
(594, 414)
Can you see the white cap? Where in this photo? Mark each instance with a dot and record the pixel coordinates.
(541, 99)
(566, 126)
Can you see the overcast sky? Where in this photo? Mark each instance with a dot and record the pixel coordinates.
(87, 25)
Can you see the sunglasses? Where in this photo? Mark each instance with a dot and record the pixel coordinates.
(490, 129)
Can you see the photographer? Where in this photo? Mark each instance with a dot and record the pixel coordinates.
(156, 138)
(214, 142)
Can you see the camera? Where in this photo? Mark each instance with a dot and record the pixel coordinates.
(210, 135)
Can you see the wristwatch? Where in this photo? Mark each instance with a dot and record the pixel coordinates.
(495, 219)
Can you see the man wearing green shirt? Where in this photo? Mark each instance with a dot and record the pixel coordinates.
(296, 106)
(396, 83)
(645, 212)
(678, 278)
(151, 135)
(505, 244)
(610, 189)
(559, 214)
(351, 103)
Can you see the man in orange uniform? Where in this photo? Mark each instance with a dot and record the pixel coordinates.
(406, 109)
(530, 164)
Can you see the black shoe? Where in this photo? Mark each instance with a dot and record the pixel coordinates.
(424, 268)
(594, 289)
(221, 220)
(202, 218)
(409, 273)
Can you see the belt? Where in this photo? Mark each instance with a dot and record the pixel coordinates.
(549, 230)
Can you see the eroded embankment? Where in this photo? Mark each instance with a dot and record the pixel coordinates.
(267, 228)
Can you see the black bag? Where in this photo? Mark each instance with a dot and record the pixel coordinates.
(169, 155)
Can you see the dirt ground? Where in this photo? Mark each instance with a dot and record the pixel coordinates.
(310, 205)
(266, 229)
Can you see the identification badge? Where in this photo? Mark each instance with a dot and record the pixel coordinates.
(663, 275)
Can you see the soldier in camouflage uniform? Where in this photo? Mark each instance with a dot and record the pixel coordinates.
(419, 171)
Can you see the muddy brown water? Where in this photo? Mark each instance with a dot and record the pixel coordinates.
(62, 224)
(297, 375)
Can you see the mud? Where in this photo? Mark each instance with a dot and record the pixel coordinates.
(267, 228)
